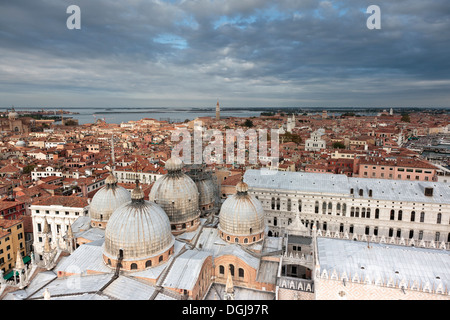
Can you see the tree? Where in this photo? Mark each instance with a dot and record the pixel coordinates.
(405, 117)
(291, 137)
(28, 168)
(248, 123)
(338, 145)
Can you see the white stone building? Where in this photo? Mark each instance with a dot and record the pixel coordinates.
(414, 212)
(59, 212)
(315, 142)
(48, 171)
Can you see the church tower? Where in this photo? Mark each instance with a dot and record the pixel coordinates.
(217, 111)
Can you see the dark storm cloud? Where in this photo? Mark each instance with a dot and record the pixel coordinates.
(246, 52)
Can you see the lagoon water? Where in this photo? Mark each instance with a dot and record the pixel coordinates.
(125, 114)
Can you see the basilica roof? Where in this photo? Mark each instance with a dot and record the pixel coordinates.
(140, 228)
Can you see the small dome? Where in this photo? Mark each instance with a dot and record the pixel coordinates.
(141, 229)
(21, 143)
(174, 164)
(241, 214)
(106, 200)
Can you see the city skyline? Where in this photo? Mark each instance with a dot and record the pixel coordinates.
(258, 53)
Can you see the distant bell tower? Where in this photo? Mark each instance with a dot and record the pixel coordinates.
(217, 110)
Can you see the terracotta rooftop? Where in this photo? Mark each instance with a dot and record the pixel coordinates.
(66, 201)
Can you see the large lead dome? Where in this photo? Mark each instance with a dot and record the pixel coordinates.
(241, 217)
(178, 195)
(106, 200)
(139, 231)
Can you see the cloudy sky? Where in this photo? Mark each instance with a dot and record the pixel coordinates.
(244, 52)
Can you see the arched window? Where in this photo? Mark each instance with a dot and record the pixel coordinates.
(300, 206)
(228, 238)
(341, 227)
(363, 212)
(399, 233)
(236, 240)
(351, 229)
(422, 216)
(275, 222)
(324, 207)
(133, 266)
(221, 269)
(245, 240)
(160, 258)
(324, 226)
(241, 273)
(377, 213)
(183, 226)
(391, 232)
(289, 205)
(273, 203)
(316, 208)
(352, 211)
(367, 230)
(400, 215)
(375, 231)
(148, 263)
(439, 218)
(278, 203)
(254, 239)
(413, 216)
(231, 270)
(357, 212)
(368, 213)
(109, 262)
(411, 234)
(392, 215)
(330, 207)
(344, 209)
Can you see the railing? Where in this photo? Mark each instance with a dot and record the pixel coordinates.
(429, 244)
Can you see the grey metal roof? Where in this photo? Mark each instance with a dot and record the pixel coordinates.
(385, 261)
(125, 288)
(92, 234)
(217, 291)
(81, 224)
(84, 258)
(210, 241)
(185, 270)
(267, 272)
(383, 189)
(74, 285)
